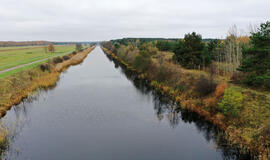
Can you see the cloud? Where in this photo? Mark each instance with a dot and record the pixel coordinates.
(88, 20)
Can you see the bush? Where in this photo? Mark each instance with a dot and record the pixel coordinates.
(265, 136)
(57, 60)
(66, 58)
(180, 87)
(45, 67)
(204, 86)
(142, 63)
(211, 103)
(232, 102)
(258, 81)
(237, 77)
(74, 52)
(220, 90)
(165, 73)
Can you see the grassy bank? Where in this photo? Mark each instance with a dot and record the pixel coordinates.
(18, 86)
(196, 90)
(14, 56)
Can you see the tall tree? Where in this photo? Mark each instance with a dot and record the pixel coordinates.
(192, 52)
(256, 62)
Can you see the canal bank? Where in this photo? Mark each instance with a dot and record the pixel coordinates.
(98, 111)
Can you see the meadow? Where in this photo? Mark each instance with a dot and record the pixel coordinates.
(14, 56)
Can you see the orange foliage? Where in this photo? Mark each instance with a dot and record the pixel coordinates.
(243, 39)
(220, 90)
(211, 102)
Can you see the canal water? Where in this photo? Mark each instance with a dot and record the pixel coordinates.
(98, 112)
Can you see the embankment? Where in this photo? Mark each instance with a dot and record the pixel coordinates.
(15, 88)
(236, 133)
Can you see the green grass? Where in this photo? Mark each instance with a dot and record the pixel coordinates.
(9, 73)
(14, 56)
(18, 47)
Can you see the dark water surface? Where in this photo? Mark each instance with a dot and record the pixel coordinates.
(95, 112)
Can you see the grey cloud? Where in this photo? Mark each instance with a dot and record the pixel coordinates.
(83, 20)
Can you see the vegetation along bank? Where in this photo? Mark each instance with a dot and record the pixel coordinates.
(226, 81)
(16, 87)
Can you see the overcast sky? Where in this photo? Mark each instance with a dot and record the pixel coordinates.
(89, 20)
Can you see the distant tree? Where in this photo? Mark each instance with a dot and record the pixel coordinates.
(256, 62)
(165, 45)
(148, 47)
(108, 45)
(79, 46)
(51, 48)
(116, 47)
(212, 48)
(191, 52)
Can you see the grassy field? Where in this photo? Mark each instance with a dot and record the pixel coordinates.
(18, 47)
(6, 74)
(14, 56)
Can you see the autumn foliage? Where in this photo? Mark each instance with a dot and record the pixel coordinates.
(220, 90)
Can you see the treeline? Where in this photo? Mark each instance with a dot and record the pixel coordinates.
(40, 43)
(74, 43)
(26, 43)
(126, 41)
(243, 59)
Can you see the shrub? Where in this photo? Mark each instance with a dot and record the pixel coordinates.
(142, 63)
(122, 52)
(163, 73)
(57, 60)
(265, 136)
(232, 102)
(204, 86)
(220, 90)
(211, 103)
(74, 52)
(237, 77)
(45, 67)
(180, 87)
(66, 58)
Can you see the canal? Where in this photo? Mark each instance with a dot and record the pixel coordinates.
(97, 111)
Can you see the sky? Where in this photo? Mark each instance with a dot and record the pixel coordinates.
(96, 20)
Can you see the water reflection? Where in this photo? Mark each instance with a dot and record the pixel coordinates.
(87, 125)
(166, 109)
(14, 124)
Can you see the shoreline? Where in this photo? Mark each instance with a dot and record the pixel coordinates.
(41, 79)
(231, 134)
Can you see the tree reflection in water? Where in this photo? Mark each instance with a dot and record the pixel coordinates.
(14, 124)
(165, 108)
